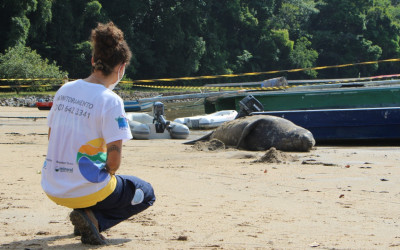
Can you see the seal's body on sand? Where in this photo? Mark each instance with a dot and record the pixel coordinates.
(261, 132)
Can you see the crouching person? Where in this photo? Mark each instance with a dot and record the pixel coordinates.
(87, 125)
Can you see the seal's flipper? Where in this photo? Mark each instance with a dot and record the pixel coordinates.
(246, 131)
(203, 138)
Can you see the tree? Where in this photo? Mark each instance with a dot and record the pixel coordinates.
(67, 36)
(22, 62)
(303, 56)
(383, 28)
(187, 38)
(338, 36)
(294, 15)
(165, 36)
(21, 18)
(39, 20)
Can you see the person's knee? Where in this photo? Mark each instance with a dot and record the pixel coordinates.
(144, 194)
(150, 197)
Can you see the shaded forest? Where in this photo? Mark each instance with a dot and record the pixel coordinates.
(203, 37)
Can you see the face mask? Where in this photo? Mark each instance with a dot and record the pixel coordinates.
(112, 86)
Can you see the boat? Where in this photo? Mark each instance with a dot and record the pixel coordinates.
(210, 121)
(318, 97)
(41, 105)
(137, 105)
(382, 123)
(143, 127)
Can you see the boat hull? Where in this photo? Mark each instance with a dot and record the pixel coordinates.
(346, 124)
(134, 106)
(44, 105)
(361, 97)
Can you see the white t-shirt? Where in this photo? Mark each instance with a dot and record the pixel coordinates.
(84, 118)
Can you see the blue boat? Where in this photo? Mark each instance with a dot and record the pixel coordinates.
(139, 105)
(381, 123)
(134, 106)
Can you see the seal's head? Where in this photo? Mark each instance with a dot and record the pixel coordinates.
(300, 139)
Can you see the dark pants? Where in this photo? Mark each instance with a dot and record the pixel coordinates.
(131, 196)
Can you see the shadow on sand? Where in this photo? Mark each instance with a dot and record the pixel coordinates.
(46, 243)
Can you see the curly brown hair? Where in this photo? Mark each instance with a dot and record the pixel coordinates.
(109, 48)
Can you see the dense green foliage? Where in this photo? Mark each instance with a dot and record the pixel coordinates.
(22, 62)
(204, 37)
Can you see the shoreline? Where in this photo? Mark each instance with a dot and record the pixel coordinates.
(30, 100)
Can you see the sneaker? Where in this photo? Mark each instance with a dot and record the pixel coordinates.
(85, 223)
(77, 232)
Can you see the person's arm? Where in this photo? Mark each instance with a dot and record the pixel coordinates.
(113, 156)
(48, 135)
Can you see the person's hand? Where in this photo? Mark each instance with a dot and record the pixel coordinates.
(110, 171)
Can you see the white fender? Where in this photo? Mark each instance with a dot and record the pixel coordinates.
(139, 117)
(142, 128)
(139, 130)
(179, 131)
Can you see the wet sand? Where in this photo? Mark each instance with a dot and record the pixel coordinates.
(333, 197)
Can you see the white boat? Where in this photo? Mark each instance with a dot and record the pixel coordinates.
(143, 128)
(208, 121)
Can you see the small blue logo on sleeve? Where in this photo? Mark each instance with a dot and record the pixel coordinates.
(122, 122)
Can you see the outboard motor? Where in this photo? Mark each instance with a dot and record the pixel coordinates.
(248, 105)
(159, 120)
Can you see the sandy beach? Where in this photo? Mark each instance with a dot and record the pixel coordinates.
(334, 197)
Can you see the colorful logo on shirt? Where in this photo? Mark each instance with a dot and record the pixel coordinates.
(91, 160)
(122, 122)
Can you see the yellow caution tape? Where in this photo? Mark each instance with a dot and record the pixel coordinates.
(31, 79)
(262, 73)
(210, 77)
(213, 88)
(24, 86)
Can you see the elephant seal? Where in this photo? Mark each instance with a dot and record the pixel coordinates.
(261, 132)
